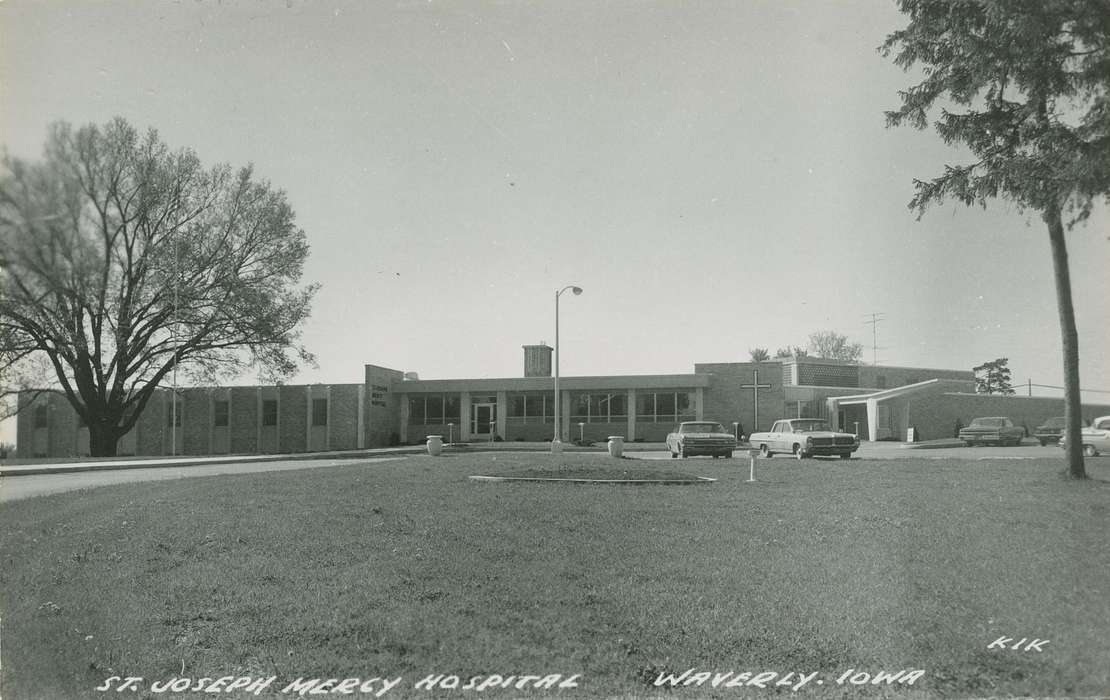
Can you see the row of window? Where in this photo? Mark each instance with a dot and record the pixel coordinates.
(221, 414)
(439, 409)
(585, 407)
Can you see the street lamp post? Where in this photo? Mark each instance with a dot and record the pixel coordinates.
(557, 441)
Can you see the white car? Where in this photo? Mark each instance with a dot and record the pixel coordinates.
(804, 437)
(1096, 439)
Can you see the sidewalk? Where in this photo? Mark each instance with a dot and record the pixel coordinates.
(189, 461)
(35, 468)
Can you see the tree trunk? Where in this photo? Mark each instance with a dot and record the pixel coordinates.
(1073, 407)
(103, 440)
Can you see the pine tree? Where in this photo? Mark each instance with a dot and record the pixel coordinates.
(1023, 85)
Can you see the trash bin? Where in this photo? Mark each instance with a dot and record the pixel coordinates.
(616, 445)
(435, 445)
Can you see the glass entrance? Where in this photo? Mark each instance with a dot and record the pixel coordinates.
(483, 420)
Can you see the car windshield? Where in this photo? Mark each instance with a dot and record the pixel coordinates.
(988, 422)
(809, 426)
(702, 428)
(1055, 422)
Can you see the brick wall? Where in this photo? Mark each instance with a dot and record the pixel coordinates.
(382, 414)
(532, 431)
(343, 417)
(725, 401)
(880, 377)
(243, 420)
(292, 419)
(150, 427)
(197, 421)
(1029, 411)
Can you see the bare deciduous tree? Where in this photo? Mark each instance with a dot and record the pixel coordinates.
(834, 346)
(121, 260)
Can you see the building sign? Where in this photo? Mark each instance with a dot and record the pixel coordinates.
(378, 395)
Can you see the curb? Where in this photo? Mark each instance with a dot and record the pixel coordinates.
(63, 468)
(200, 462)
(632, 482)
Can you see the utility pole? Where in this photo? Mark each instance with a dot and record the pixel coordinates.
(875, 318)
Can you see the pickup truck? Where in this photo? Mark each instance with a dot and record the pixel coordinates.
(701, 438)
(804, 437)
(992, 430)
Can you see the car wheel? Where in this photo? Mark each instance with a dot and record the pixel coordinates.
(674, 455)
(845, 455)
(1043, 442)
(798, 454)
(1090, 451)
(765, 453)
(715, 455)
(728, 455)
(682, 451)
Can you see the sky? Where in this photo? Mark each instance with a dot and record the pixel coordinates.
(716, 176)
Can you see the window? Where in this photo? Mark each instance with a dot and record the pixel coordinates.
(173, 418)
(451, 409)
(220, 413)
(664, 406)
(599, 407)
(269, 411)
(532, 408)
(319, 411)
(434, 409)
(42, 417)
(516, 406)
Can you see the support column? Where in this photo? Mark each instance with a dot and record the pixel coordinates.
(502, 414)
(564, 417)
(631, 410)
(464, 416)
(699, 403)
(360, 430)
(404, 429)
(833, 408)
(872, 420)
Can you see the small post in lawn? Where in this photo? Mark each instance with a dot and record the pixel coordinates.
(752, 455)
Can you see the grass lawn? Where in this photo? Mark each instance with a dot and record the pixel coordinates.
(406, 568)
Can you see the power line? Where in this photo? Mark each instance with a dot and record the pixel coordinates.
(1082, 391)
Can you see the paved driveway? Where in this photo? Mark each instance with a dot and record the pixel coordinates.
(894, 450)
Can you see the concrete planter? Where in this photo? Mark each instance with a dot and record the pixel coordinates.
(616, 445)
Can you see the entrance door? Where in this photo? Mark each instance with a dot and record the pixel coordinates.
(483, 419)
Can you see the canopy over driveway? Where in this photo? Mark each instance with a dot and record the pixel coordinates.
(888, 413)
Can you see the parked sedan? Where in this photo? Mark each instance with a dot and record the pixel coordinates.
(1050, 430)
(804, 437)
(992, 430)
(701, 438)
(1096, 439)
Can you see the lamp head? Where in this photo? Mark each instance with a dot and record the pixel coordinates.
(576, 290)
